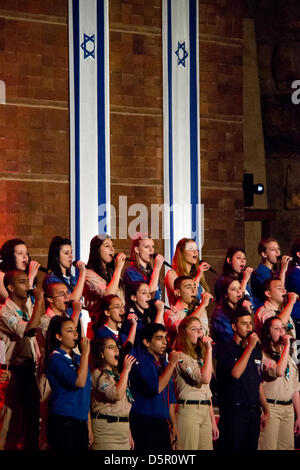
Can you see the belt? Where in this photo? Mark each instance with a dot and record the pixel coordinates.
(242, 406)
(193, 402)
(279, 402)
(110, 419)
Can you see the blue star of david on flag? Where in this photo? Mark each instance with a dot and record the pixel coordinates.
(181, 56)
(88, 46)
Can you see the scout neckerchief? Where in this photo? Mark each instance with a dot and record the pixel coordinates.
(116, 377)
(22, 314)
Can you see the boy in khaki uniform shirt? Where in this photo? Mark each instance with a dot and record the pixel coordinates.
(21, 409)
(185, 290)
(274, 292)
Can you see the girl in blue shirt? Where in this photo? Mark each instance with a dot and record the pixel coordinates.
(68, 426)
(235, 267)
(231, 294)
(60, 259)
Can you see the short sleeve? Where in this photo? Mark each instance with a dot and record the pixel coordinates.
(173, 319)
(62, 371)
(190, 370)
(12, 323)
(105, 385)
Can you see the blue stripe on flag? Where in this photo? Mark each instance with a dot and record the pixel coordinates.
(101, 104)
(170, 127)
(193, 115)
(76, 53)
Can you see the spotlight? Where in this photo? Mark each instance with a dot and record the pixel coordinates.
(250, 189)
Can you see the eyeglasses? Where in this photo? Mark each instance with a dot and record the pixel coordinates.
(62, 294)
(112, 347)
(119, 307)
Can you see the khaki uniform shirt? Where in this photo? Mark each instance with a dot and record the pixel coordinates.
(103, 396)
(267, 310)
(12, 327)
(279, 388)
(187, 381)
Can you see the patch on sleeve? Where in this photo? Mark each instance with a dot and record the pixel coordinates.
(12, 320)
(103, 386)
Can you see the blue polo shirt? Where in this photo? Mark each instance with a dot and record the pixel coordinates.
(221, 326)
(144, 388)
(104, 332)
(258, 276)
(292, 284)
(132, 275)
(67, 399)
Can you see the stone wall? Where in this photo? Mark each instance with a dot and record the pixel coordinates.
(34, 123)
(34, 128)
(278, 46)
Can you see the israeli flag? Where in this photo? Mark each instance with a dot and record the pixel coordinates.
(182, 216)
(89, 121)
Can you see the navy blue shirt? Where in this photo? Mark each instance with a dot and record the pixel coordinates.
(104, 332)
(244, 390)
(131, 275)
(67, 399)
(292, 284)
(221, 326)
(144, 388)
(248, 292)
(258, 276)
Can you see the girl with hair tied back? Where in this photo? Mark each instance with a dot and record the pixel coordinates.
(235, 266)
(111, 397)
(231, 294)
(14, 256)
(143, 266)
(104, 271)
(68, 425)
(60, 259)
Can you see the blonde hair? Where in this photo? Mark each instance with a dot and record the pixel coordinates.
(180, 266)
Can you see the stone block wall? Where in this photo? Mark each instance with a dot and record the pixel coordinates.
(34, 127)
(34, 123)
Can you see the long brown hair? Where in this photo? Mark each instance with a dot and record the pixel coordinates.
(183, 342)
(180, 266)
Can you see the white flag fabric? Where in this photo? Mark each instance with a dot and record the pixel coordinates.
(182, 216)
(89, 121)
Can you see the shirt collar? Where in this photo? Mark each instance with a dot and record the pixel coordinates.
(63, 353)
(180, 306)
(50, 313)
(269, 306)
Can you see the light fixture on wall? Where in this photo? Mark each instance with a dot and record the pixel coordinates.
(250, 189)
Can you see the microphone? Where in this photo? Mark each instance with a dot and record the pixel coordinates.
(210, 269)
(152, 302)
(165, 262)
(126, 259)
(44, 270)
(75, 262)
